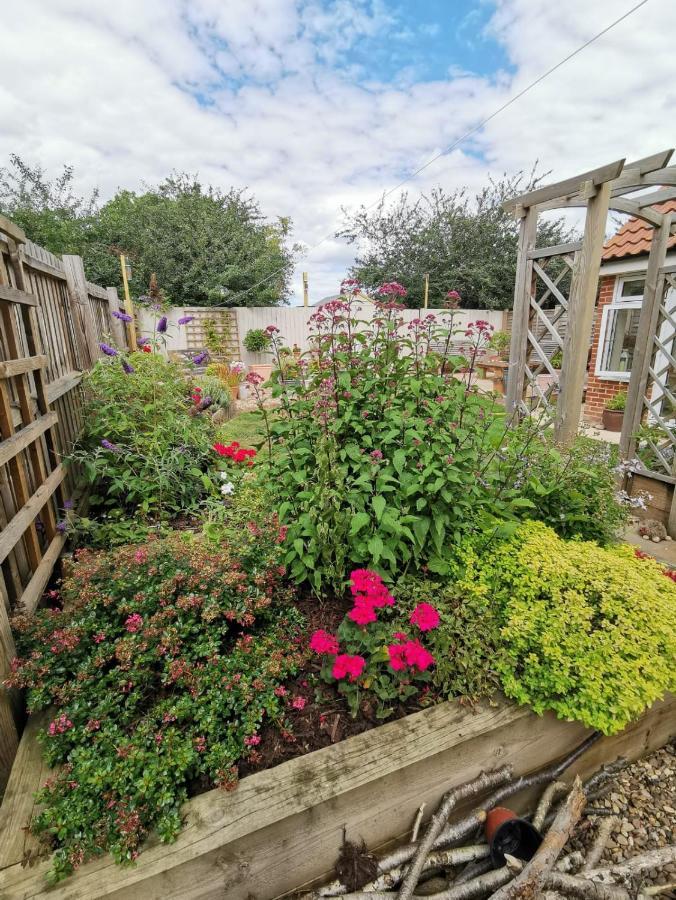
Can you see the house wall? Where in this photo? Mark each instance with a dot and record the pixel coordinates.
(600, 390)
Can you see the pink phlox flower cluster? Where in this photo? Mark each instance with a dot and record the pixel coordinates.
(392, 289)
(299, 703)
(409, 654)
(322, 642)
(348, 666)
(252, 741)
(369, 594)
(425, 617)
(133, 622)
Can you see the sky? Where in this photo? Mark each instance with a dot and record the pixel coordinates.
(316, 105)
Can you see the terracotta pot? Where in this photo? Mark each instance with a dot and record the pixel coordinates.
(612, 419)
(506, 833)
(264, 371)
(234, 391)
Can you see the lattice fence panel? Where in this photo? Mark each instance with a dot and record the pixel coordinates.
(656, 438)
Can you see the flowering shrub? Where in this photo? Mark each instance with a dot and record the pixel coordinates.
(146, 445)
(161, 668)
(588, 632)
(384, 450)
(372, 653)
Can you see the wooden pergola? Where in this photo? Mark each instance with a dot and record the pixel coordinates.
(540, 305)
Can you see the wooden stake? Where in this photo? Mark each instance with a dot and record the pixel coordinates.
(129, 309)
(306, 293)
(523, 286)
(427, 290)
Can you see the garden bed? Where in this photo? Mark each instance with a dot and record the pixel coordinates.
(274, 834)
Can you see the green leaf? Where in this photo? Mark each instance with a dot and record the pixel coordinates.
(399, 460)
(420, 530)
(376, 546)
(359, 521)
(379, 503)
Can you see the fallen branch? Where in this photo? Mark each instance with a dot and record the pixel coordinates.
(448, 802)
(654, 859)
(573, 862)
(534, 873)
(453, 857)
(572, 885)
(551, 792)
(417, 823)
(657, 889)
(605, 829)
(479, 887)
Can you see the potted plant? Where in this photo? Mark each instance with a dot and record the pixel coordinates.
(544, 379)
(256, 340)
(499, 343)
(230, 375)
(613, 414)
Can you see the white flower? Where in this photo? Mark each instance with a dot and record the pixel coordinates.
(224, 476)
(227, 488)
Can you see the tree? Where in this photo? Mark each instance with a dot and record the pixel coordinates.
(50, 213)
(467, 244)
(207, 247)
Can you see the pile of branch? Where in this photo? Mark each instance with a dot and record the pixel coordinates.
(456, 848)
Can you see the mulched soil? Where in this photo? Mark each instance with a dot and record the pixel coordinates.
(325, 719)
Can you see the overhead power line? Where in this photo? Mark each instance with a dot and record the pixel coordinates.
(457, 142)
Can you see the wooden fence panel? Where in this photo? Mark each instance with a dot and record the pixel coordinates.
(51, 323)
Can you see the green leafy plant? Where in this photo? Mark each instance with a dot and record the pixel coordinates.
(159, 671)
(145, 449)
(573, 490)
(500, 341)
(466, 645)
(588, 632)
(382, 456)
(556, 359)
(256, 340)
(618, 403)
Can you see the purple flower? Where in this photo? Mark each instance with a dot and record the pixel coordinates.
(128, 368)
(123, 317)
(199, 359)
(62, 526)
(68, 504)
(185, 319)
(142, 341)
(109, 445)
(205, 403)
(162, 325)
(108, 350)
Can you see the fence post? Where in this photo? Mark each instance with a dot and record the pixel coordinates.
(523, 288)
(117, 329)
(82, 314)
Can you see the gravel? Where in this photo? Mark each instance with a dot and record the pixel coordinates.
(643, 796)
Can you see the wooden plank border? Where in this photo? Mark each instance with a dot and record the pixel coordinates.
(281, 830)
(23, 520)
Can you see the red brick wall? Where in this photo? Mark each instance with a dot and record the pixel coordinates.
(600, 390)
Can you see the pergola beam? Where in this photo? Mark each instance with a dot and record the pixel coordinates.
(667, 193)
(567, 188)
(621, 204)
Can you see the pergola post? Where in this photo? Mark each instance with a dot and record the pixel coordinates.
(582, 301)
(638, 380)
(518, 348)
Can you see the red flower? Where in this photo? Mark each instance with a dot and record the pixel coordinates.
(363, 612)
(323, 642)
(348, 666)
(425, 617)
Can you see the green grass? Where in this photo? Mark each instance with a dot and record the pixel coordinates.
(247, 428)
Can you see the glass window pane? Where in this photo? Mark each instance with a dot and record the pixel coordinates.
(620, 340)
(632, 287)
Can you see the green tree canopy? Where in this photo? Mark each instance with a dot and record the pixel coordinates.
(467, 244)
(207, 247)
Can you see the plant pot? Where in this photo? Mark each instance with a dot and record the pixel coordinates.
(506, 833)
(234, 391)
(243, 392)
(265, 371)
(612, 419)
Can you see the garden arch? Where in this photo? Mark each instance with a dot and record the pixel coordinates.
(537, 333)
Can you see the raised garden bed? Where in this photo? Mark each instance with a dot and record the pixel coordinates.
(273, 835)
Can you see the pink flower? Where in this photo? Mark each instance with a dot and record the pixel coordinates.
(363, 612)
(392, 289)
(280, 691)
(141, 556)
(323, 642)
(417, 657)
(396, 654)
(252, 741)
(201, 743)
(99, 637)
(425, 617)
(347, 666)
(299, 703)
(59, 725)
(133, 622)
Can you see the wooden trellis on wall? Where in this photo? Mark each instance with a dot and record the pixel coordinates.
(51, 322)
(599, 190)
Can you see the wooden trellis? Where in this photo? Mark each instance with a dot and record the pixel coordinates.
(535, 335)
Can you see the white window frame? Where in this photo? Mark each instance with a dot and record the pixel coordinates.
(617, 303)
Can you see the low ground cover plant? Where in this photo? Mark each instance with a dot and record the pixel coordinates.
(159, 671)
(588, 632)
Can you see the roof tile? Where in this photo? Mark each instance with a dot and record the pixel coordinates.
(635, 236)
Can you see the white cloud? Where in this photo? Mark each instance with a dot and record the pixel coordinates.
(115, 89)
